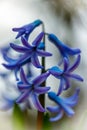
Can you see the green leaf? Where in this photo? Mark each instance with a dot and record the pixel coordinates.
(18, 118)
(46, 123)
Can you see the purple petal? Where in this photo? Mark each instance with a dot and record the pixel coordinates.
(61, 86)
(75, 76)
(19, 48)
(75, 65)
(41, 90)
(8, 59)
(38, 39)
(23, 87)
(23, 96)
(24, 58)
(36, 103)
(58, 117)
(9, 66)
(35, 61)
(40, 79)
(66, 64)
(56, 71)
(67, 83)
(23, 77)
(17, 29)
(43, 53)
(20, 33)
(25, 43)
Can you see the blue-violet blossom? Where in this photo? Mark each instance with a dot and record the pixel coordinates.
(65, 74)
(27, 29)
(62, 47)
(32, 89)
(63, 105)
(30, 53)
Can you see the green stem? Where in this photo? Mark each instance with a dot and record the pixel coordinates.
(40, 115)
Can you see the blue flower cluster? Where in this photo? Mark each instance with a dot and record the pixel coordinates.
(30, 87)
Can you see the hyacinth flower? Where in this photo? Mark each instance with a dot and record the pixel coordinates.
(65, 74)
(64, 105)
(27, 29)
(32, 89)
(65, 50)
(30, 53)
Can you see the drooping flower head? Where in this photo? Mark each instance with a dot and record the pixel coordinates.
(32, 89)
(65, 74)
(27, 29)
(64, 105)
(65, 50)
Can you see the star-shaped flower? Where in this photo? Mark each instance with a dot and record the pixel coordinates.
(32, 90)
(27, 29)
(30, 53)
(64, 105)
(65, 74)
(65, 50)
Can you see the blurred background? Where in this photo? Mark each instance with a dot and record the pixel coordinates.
(68, 20)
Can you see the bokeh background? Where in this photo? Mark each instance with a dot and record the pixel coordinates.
(68, 20)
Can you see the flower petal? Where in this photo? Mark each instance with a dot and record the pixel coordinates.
(9, 66)
(38, 39)
(75, 76)
(24, 58)
(35, 61)
(66, 64)
(8, 59)
(17, 29)
(23, 87)
(23, 97)
(56, 71)
(25, 43)
(40, 79)
(67, 83)
(61, 86)
(43, 53)
(19, 48)
(68, 110)
(36, 103)
(75, 95)
(21, 32)
(23, 77)
(75, 65)
(41, 90)
(58, 117)
(53, 109)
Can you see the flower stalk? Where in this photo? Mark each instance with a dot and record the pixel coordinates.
(40, 115)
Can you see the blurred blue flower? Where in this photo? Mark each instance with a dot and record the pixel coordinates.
(27, 29)
(65, 50)
(63, 105)
(65, 74)
(32, 89)
(7, 103)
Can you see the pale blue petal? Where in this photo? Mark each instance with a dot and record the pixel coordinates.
(57, 117)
